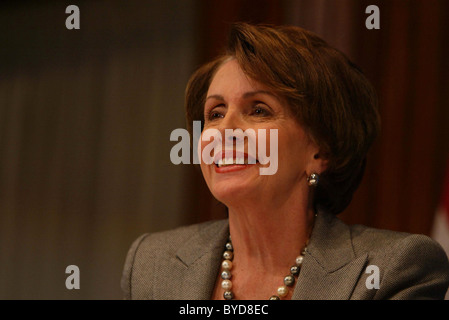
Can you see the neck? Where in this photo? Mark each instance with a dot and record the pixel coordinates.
(270, 237)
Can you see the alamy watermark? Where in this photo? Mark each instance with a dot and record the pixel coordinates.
(73, 20)
(73, 280)
(372, 281)
(234, 147)
(373, 20)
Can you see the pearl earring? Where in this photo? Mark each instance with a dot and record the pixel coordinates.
(313, 180)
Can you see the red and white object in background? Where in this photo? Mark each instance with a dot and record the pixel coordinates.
(440, 230)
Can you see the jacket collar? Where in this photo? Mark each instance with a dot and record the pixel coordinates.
(330, 269)
(330, 243)
(208, 240)
(200, 258)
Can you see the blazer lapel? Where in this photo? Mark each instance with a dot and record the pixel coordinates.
(330, 269)
(200, 258)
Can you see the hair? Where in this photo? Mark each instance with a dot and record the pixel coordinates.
(327, 93)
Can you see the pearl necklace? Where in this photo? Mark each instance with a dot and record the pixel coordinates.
(226, 275)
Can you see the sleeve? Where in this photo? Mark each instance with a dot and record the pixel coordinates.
(417, 268)
(126, 283)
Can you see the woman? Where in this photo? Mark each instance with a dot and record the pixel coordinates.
(282, 239)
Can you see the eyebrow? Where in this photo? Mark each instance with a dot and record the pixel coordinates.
(246, 95)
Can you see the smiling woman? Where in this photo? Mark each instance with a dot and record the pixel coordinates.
(282, 239)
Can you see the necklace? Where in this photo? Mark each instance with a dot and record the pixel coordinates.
(282, 291)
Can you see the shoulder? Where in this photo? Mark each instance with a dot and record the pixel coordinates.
(371, 239)
(171, 240)
(366, 239)
(412, 266)
(409, 266)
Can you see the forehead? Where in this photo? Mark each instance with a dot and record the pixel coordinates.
(231, 79)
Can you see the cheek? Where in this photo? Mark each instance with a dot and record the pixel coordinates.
(205, 172)
(199, 150)
(208, 145)
(204, 167)
(292, 146)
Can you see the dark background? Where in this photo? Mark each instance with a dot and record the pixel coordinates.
(86, 115)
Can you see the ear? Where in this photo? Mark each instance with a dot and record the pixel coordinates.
(318, 162)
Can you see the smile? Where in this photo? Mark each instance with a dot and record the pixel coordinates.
(239, 161)
(238, 158)
(231, 161)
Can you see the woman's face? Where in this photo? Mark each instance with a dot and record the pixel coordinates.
(235, 101)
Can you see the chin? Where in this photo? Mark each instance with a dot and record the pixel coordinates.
(233, 192)
(232, 183)
(230, 196)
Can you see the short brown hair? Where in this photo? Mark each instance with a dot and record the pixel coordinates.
(328, 94)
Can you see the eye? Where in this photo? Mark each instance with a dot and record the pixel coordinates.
(214, 113)
(260, 110)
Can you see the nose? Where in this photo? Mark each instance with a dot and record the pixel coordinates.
(232, 128)
(232, 120)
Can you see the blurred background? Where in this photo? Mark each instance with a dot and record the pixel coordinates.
(86, 116)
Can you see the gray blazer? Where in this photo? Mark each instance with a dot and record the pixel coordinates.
(183, 264)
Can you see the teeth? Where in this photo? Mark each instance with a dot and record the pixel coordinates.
(229, 161)
(240, 161)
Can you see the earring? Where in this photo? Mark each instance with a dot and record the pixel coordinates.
(313, 179)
